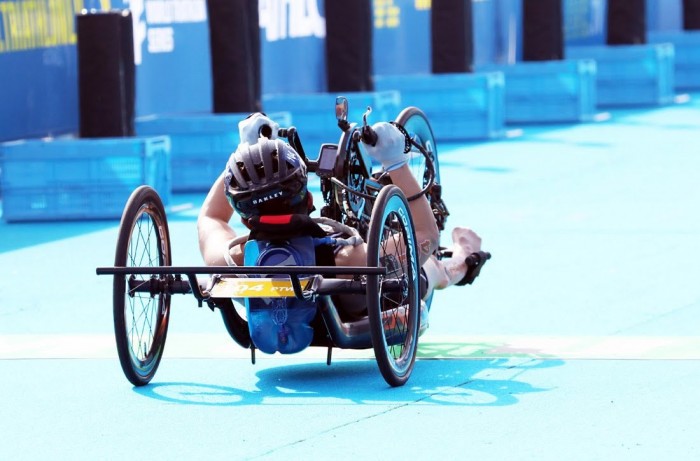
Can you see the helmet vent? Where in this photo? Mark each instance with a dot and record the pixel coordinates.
(275, 161)
(244, 171)
(260, 170)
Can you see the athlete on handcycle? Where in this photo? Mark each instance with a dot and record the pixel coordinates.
(302, 281)
(266, 176)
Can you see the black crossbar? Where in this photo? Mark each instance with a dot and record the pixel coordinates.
(244, 270)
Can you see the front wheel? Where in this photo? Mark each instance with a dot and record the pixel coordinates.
(141, 319)
(394, 314)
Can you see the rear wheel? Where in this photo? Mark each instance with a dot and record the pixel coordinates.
(141, 318)
(394, 314)
(418, 127)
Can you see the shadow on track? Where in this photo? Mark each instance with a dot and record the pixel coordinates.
(495, 382)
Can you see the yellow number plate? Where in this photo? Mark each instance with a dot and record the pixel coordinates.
(231, 287)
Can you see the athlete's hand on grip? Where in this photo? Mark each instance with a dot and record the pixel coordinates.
(255, 126)
(389, 147)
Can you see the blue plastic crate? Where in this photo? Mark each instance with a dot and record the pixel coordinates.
(460, 107)
(79, 179)
(200, 144)
(313, 115)
(631, 75)
(549, 91)
(687, 56)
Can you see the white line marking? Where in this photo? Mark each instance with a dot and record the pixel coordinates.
(214, 346)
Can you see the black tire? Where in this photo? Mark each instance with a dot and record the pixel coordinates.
(141, 320)
(394, 318)
(355, 177)
(418, 127)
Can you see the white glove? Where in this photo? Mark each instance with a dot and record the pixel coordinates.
(389, 150)
(250, 128)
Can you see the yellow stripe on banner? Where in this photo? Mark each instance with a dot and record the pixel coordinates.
(231, 287)
(216, 345)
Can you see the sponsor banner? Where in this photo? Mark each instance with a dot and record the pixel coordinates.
(171, 51)
(256, 287)
(292, 38)
(38, 61)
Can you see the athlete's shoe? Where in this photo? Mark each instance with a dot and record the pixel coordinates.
(423, 317)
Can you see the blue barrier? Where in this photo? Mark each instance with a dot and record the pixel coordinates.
(634, 75)
(686, 45)
(79, 179)
(459, 106)
(549, 91)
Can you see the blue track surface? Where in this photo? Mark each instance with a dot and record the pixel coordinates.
(579, 341)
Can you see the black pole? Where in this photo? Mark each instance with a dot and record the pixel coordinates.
(451, 36)
(106, 74)
(543, 30)
(627, 22)
(349, 45)
(691, 14)
(234, 39)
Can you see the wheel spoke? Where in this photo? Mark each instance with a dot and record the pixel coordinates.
(141, 318)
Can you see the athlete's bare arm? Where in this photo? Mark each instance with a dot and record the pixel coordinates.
(214, 230)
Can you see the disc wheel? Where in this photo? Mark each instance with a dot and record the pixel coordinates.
(418, 127)
(141, 318)
(394, 314)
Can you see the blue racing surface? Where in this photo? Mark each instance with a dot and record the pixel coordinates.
(580, 340)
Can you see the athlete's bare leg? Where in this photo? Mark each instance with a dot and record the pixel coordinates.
(448, 271)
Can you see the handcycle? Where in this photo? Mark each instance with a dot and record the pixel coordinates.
(290, 301)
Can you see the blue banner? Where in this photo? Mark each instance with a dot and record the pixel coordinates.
(401, 42)
(402, 37)
(171, 51)
(292, 46)
(38, 67)
(38, 61)
(665, 15)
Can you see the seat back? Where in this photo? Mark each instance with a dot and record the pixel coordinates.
(280, 324)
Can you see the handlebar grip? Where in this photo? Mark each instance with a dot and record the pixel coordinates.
(475, 262)
(265, 130)
(369, 136)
